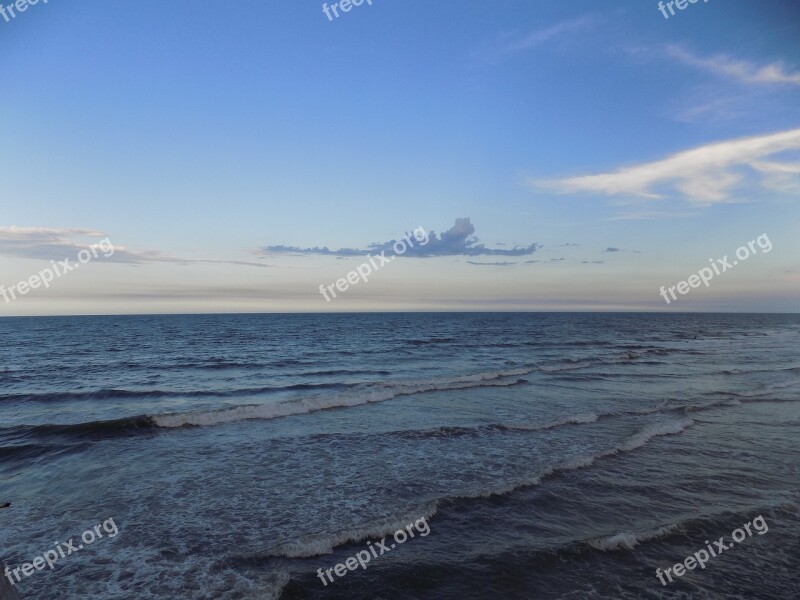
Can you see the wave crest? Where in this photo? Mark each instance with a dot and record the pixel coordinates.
(368, 394)
(628, 540)
(315, 545)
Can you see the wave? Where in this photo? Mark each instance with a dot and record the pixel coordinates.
(628, 540)
(315, 545)
(99, 430)
(329, 372)
(561, 368)
(652, 431)
(578, 419)
(539, 559)
(113, 393)
(568, 364)
(92, 430)
(143, 424)
(365, 395)
(272, 589)
(578, 377)
(646, 356)
(435, 340)
(761, 399)
(449, 431)
(356, 394)
(212, 365)
(701, 524)
(767, 370)
(755, 396)
(457, 431)
(32, 451)
(670, 427)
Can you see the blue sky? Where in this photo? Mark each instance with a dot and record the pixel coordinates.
(204, 138)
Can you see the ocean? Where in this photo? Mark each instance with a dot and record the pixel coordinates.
(552, 456)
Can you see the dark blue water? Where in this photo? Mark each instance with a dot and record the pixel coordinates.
(553, 455)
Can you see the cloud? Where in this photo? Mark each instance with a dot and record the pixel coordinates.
(456, 241)
(705, 175)
(740, 70)
(323, 251)
(780, 177)
(645, 215)
(492, 264)
(511, 43)
(709, 104)
(726, 89)
(42, 243)
(614, 249)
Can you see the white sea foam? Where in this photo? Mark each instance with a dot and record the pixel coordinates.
(579, 419)
(357, 397)
(628, 540)
(568, 365)
(574, 420)
(663, 428)
(316, 545)
(638, 440)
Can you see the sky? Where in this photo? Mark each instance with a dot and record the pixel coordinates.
(246, 157)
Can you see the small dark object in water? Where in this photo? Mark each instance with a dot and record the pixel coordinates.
(5, 505)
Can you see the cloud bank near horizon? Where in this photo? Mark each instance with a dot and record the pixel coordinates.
(54, 243)
(459, 240)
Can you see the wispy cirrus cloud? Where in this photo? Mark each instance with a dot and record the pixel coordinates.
(736, 90)
(46, 243)
(647, 215)
(743, 71)
(704, 175)
(780, 177)
(508, 44)
(459, 240)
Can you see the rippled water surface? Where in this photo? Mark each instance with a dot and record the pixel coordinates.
(552, 455)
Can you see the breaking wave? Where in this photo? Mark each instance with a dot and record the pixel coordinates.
(628, 540)
(366, 395)
(315, 545)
